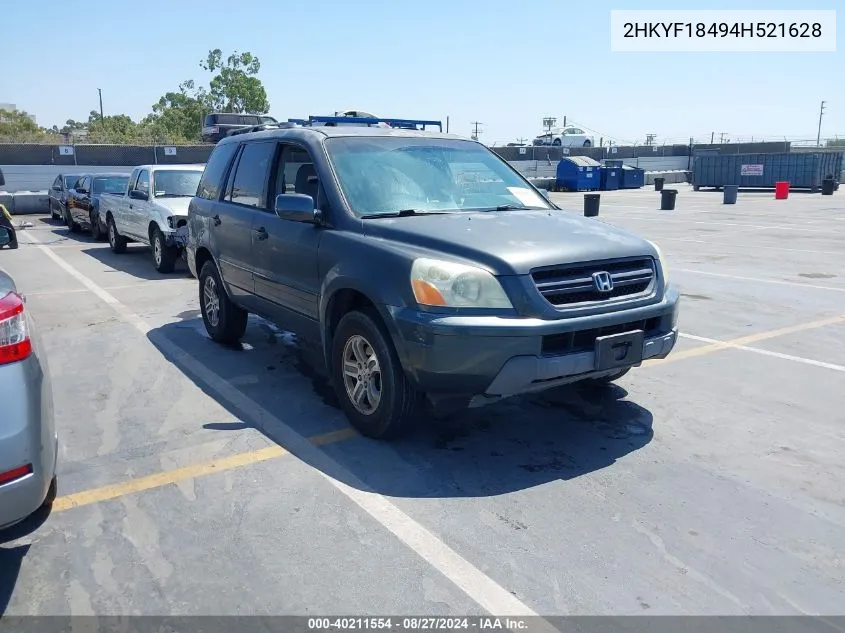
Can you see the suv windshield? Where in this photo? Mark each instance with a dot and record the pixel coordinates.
(174, 183)
(109, 184)
(391, 174)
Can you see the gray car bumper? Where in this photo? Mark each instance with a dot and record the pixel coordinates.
(27, 437)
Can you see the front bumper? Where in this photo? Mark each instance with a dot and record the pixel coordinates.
(495, 357)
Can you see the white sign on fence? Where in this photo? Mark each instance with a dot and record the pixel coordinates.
(613, 149)
(170, 151)
(751, 170)
(522, 150)
(65, 150)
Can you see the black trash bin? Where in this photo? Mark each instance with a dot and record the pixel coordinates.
(667, 199)
(729, 196)
(591, 204)
(658, 183)
(828, 186)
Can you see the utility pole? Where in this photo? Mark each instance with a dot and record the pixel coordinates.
(649, 139)
(819, 136)
(475, 130)
(549, 123)
(712, 134)
(722, 137)
(447, 124)
(101, 104)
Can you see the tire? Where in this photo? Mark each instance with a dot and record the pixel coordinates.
(96, 231)
(52, 492)
(164, 256)
(587, 144)
(557, 142)
(391, 401)
(116, 241)
(224, 321)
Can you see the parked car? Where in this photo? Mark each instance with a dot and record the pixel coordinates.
(58, 195)
(83, 202)
(414, 283)
(217, 125)
(568, 137)
(28, 439)
(152, 210)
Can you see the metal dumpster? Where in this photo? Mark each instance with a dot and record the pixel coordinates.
(578, 173)
(802, 170)
(611, 177)
(632, 177)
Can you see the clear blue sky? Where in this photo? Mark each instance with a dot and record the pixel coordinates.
(504, 63)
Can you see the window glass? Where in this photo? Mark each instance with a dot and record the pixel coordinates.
(143, 183)
(250, 182)
(215, 170)
(109, 184)
(71, 180)
(176, 183)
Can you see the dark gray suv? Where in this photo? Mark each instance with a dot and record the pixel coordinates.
(423, 267)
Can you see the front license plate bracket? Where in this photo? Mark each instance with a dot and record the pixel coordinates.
(619, 350)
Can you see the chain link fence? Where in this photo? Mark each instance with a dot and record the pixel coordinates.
(102, 155)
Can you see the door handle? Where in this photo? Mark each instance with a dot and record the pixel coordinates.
(217, 220)
(262, 233)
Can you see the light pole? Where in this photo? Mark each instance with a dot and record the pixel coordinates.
(101, 104)
(819, 136)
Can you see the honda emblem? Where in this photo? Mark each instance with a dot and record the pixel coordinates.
(603, 281)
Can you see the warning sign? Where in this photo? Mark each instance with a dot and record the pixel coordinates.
(751, 170)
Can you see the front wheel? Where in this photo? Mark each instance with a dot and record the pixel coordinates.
(164, 256)
(372, 387)
(557, 141)
(224, 321)
(116, 241)
(587, 144)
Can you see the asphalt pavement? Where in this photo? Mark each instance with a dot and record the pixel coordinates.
(197, 479)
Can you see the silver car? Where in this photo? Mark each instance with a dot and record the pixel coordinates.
(28, 440)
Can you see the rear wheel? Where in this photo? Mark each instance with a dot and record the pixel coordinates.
(224, 321)
(372, 387)
(116, 240)
(164, 256)
(557, 141)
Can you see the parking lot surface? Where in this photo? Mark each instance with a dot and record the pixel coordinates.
(196, 479)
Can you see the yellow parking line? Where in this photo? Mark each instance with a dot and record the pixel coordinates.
(159, 480)
(745, 340)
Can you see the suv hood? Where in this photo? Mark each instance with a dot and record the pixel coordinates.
(511, 242)
(176, 206)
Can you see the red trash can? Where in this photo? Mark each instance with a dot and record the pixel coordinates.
(781, 190)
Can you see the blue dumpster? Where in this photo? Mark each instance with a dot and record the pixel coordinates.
(611, 177)
(578, 173)
(632, 177)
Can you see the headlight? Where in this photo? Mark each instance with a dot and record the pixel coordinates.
(663, 264)
(439, 283)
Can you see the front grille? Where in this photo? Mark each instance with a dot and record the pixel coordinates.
(568, 286)
(584, 340)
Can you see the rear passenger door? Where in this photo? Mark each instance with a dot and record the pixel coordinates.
(232, 217)
(286, 266)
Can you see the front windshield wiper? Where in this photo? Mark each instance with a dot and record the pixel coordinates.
(507, 207)
(401, 214)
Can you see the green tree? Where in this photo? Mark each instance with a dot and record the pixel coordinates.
(17, 127)
(116, 129)
(177, 117)
(235, 87)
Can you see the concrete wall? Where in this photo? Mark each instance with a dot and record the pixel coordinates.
(40, 177)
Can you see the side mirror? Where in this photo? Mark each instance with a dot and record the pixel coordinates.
(297, 207)
(135, 194)
(82, 191)
(5, 236)
(2, 178)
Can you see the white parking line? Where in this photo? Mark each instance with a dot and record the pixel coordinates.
(759, 280)
(765, 352)
(472, 581)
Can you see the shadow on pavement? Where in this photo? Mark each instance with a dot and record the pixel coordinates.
(10, 565)
(513, 445)
(136, 261)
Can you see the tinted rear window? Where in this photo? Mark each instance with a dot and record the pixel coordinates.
(110, 184)
(232, 119)
(215, 171)
(70, 181)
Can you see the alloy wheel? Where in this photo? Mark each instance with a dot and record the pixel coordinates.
(362, 374)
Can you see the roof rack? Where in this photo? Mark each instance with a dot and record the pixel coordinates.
(405, 124)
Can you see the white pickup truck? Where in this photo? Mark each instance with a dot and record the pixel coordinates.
(153, 211)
